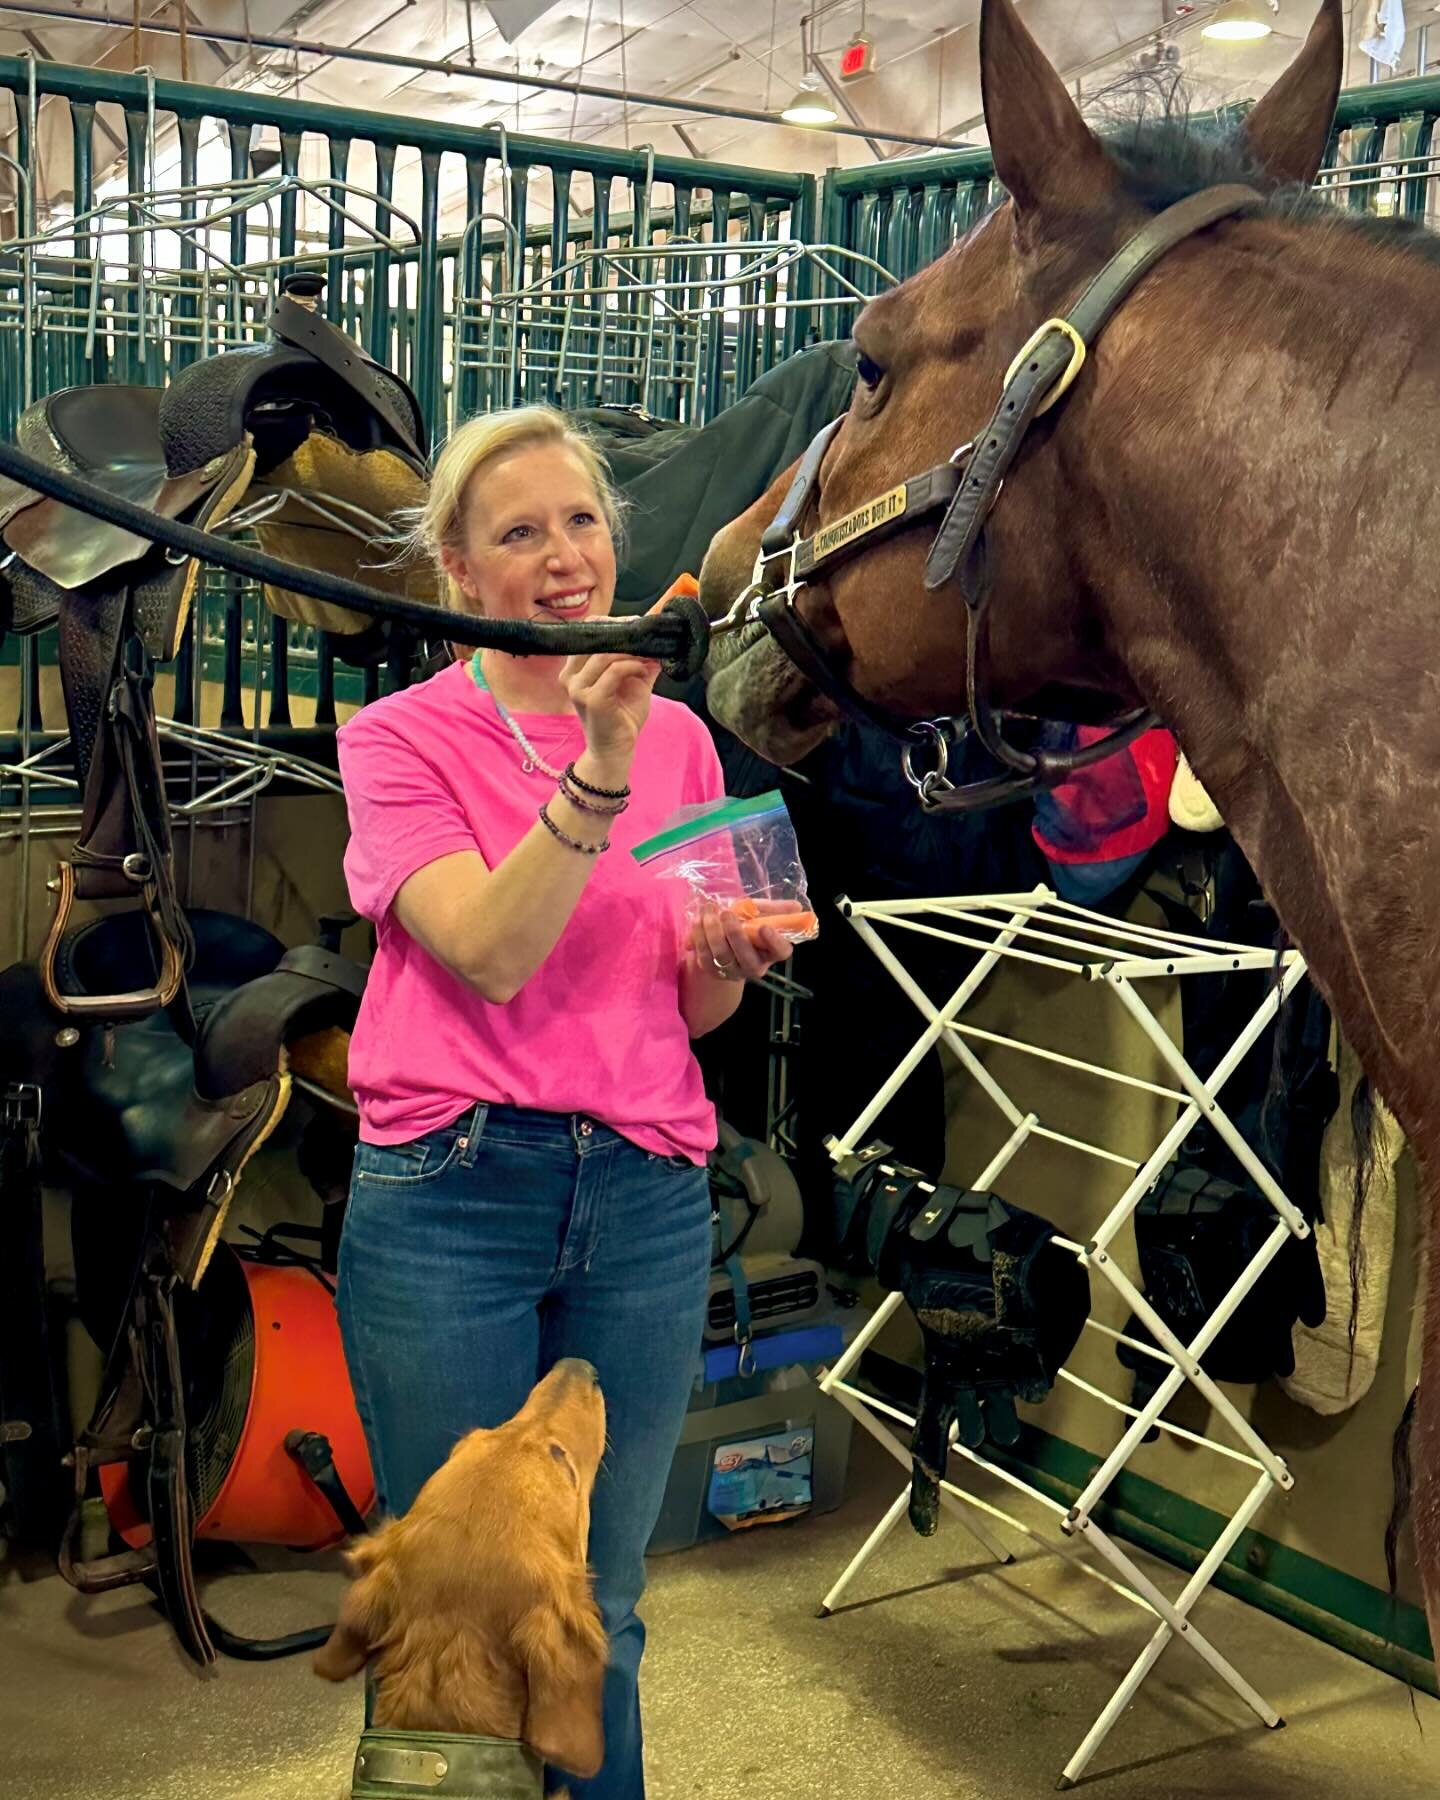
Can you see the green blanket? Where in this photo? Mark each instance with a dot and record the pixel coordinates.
(683, 482)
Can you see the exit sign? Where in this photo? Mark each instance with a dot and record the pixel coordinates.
(856, 59)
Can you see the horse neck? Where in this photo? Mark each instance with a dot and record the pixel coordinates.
(1265, 570)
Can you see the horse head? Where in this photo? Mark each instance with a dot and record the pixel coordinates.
(933, 359)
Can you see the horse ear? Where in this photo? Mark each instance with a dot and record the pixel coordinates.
(1289, 128)
(1046, 157)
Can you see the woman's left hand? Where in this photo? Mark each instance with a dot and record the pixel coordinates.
(725, 949)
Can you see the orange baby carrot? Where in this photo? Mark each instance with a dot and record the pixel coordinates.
(798, 923)
(685, 585)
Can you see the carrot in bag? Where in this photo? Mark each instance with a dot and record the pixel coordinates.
(798, 926)
(740, 855)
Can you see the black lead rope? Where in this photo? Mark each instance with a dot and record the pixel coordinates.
(679, 636)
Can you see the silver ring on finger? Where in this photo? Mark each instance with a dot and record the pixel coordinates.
(726, 971)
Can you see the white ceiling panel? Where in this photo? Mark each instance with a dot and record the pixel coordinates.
(742, 54)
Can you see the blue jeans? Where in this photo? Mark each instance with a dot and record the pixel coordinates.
(476, 1257)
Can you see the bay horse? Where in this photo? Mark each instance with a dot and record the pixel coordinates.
(1219, 524)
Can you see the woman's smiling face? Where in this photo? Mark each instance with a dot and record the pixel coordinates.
(536, 544)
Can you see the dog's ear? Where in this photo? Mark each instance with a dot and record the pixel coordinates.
(365, 1612)
(563, 1650)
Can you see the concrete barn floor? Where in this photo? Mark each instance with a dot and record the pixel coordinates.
(938, 1677)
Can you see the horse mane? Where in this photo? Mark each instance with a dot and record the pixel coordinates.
(1166, 151)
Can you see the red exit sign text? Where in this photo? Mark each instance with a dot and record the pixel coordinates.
(856, 59)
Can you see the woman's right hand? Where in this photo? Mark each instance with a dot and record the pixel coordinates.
(611, 695)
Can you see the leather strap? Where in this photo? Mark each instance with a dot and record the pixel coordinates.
(167, 1488)
(780, 617)
(1019, 405)
(328, 967)
(884, 518)
(91, 637)
(1028, 387)
(1129, 265)
(304, 329)
(792, 508)
(878, 519)
(1035, 768)
(124, 846)
(441, 1765)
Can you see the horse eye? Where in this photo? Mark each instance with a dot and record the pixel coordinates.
(869, 371)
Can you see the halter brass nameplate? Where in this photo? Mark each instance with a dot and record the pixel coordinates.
(857, 524)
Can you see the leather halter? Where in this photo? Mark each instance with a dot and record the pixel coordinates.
(966, 489)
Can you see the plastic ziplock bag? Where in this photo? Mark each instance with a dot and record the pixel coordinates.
(740, 855)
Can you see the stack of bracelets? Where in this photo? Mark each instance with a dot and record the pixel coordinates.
(580, 794)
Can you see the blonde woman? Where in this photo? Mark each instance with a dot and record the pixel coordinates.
(530, 1180)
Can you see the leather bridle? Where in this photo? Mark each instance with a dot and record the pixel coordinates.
(965, 488)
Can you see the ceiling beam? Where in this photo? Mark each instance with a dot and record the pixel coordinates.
(846, 104)
(464, 71)
(45, 54)
(197, 29)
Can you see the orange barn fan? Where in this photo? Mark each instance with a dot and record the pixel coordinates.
(268, 1395)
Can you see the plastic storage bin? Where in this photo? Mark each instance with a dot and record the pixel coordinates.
(779, 1402)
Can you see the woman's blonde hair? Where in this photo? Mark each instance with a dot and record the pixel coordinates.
(439, 524)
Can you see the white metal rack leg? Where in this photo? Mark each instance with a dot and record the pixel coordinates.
(1041, 929)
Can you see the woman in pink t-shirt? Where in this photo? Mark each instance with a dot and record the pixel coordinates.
(530, 1182)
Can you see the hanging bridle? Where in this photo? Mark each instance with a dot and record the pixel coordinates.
(966, 489)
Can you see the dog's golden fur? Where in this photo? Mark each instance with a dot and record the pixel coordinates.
(476, 1606)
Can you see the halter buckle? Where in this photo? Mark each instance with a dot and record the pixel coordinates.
(1078, 353)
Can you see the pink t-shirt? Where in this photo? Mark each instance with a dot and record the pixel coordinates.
(597, 1028)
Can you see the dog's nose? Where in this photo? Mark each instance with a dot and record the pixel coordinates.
(580, 1370)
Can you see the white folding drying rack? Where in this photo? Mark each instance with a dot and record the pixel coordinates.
(1040, 929)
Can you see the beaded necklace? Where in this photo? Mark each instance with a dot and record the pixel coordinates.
(533, 759)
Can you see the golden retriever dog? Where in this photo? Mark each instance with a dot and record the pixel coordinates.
(476, 1607)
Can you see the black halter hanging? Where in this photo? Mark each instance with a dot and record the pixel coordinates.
(966, 489)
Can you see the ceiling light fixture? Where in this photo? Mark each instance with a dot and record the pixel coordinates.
(1238, 22)
(809, 107)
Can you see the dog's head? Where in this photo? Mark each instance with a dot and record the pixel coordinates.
(476, 1606)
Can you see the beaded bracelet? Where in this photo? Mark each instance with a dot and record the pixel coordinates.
(566, 839)
(597, 793)
(589, 806)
